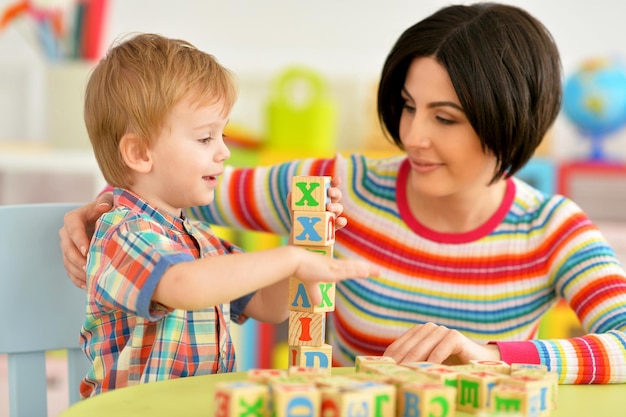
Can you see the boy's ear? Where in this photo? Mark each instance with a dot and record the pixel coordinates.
(135, 153)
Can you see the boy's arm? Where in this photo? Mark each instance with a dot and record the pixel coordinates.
(217, 280)
(270, 304)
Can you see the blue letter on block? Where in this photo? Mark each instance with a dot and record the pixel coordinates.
(309, 360)
(358, 408)
(411, 402)
(301, 293)
(308, 225)
(300, 407)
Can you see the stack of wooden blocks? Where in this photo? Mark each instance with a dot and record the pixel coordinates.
(314, 230)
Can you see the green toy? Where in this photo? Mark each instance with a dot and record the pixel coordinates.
(300, 114)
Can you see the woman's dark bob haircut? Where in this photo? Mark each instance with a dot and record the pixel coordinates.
(504, 66)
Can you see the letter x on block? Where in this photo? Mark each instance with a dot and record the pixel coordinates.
(309, 193)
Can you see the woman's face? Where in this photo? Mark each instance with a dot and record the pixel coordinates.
(444, 151)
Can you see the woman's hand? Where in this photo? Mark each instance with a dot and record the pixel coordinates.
(334, 193)
(434, 343)
(78, 227)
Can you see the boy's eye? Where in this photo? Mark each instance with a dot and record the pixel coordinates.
(205, 140)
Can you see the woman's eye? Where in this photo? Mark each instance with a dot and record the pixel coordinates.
(445, 121)
(406, 106)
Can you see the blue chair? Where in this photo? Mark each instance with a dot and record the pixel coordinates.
(40, 309)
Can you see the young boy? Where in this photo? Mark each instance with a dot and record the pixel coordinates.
(160, 299)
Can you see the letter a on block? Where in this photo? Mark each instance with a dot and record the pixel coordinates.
(300, 299)
(310, 193)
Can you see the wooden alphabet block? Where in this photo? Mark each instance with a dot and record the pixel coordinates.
(383, 397)
(343, 402)
(366, 399)
(419, 365)
(383, 368)
(551, 377)
(309, 193)
(366, 376)
(265, 375)
(500, 367)
(363, 359)
(312, 228)
(241, 398)
(291, 399)
(336, 381)
(398, 375)
(326, 251)
(306, 372)
(474, 390)
(426, 399)
(545, 384)
(508, 399)
(311, 357)
(300, 299)
(306, 329)
(447, 375)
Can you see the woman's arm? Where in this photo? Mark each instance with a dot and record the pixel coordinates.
(256, 198)
(589, 277)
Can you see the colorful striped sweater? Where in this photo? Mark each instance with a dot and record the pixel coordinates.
(492, 284)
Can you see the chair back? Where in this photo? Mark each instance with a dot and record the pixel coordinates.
(40, 309)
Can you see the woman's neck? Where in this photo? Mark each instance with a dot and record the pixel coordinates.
(459, 213)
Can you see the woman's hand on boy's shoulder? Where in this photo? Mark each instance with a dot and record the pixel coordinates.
(78, 228)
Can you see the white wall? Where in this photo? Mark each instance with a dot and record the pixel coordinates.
(346, 41)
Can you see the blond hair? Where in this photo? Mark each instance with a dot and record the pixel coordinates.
(136, 85)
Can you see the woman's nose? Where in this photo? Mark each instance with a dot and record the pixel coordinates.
(416, 133)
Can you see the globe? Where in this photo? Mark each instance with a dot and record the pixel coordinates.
(594, 100)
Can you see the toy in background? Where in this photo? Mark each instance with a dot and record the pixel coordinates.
(61, 29)
(594, 99)
(300, 114)
(68, 35)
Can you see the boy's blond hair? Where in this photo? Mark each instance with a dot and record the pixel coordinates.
(136, 85)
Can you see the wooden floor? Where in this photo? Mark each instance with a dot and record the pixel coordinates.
(57, 386)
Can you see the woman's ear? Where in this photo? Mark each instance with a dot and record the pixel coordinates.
(135, 153)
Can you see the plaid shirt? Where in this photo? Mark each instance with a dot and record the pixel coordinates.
(129, 338)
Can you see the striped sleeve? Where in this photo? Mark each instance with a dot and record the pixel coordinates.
(256, 198)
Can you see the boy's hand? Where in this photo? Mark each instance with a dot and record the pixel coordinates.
(314, 269)
(78, 227)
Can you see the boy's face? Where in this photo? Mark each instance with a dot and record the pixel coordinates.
(188, 157)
